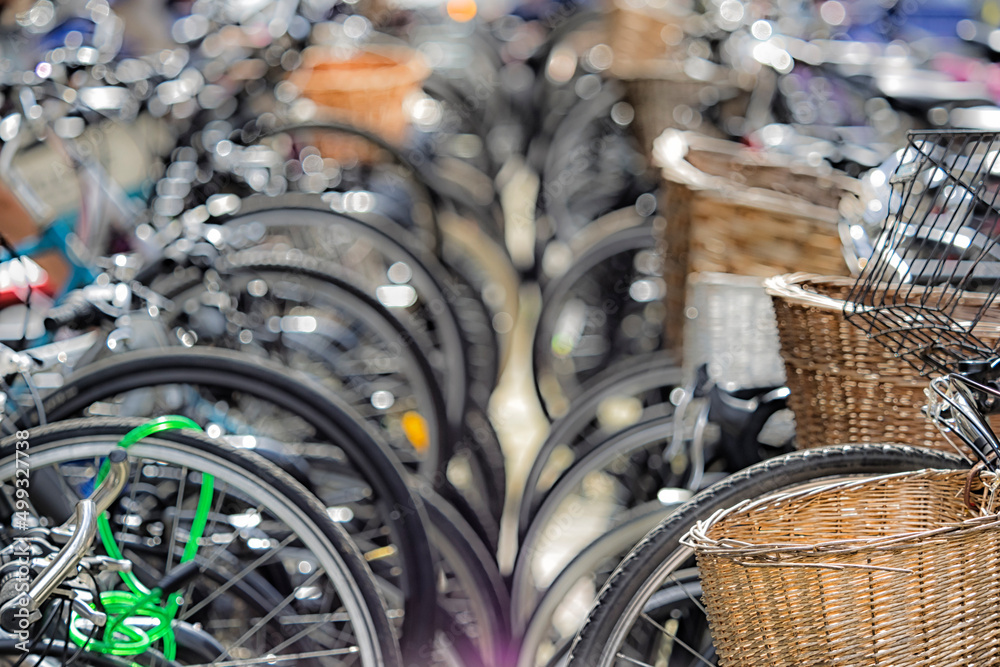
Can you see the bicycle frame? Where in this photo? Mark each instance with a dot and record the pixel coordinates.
(959, 405)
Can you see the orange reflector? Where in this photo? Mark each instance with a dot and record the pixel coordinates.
(462, 11)
(415, 428)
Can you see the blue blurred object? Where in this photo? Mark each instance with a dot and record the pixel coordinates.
(906, 20)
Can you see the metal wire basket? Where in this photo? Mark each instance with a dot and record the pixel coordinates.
(927, 291)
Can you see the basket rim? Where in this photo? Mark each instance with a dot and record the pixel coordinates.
(767, 554)
(789, 287)
(670, 151)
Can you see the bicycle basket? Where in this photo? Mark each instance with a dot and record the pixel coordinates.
(927, 289)
(889, 570)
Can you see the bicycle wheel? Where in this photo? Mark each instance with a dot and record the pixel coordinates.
(449, 319)
(279, 580)
(563, 607)
(604, 489)
(592, 165)
(477, 473)
(472, 602)
(625, 394)
(231, 394)
(302, 316)
(374, 253)
(606, 307)
(472, 593)
(614, 633)
(258, 157)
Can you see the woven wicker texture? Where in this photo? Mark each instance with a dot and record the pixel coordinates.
(367, 90)
(844, 386)
(733, 210)
(640, 31)
(665, 95)
(894, 570)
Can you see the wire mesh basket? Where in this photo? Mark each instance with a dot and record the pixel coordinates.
(929, 287)
(899, 570)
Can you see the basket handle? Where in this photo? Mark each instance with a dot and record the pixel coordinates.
(967, 491)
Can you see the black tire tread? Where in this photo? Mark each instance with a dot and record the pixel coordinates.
(295, 392)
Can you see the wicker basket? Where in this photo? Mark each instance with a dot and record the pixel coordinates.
(844, 386)
(367, 90)
(894, 570)
(674, 94)
(733, 210)
(645, 30)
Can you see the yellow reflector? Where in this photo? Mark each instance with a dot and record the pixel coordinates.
(415, 428)
(381, 552)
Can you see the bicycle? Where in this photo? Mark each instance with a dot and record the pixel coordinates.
(207, 530)
(922, 295)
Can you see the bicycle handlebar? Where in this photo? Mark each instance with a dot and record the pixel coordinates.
(76, 311)
(64, 566)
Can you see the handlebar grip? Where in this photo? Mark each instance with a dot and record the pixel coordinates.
(11, 589)
(76, 312)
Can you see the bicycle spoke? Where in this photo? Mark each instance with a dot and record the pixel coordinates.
(624, 657)
(688, 594)
(241, 575)
(137, 470)
(271, 659)
(221, 493)
(177, 519)
(309, 629)
(263, 621)
(673, 637)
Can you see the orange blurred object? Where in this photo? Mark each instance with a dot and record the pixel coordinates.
(416, 430)
(462, 11)
(367, 90)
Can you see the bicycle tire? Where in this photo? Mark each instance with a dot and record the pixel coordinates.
(630, 378)
(613, 545)
(426, 184)
(257, 472)
(300, 395)
(619, 445)
(457, 322)
(248, 265)
(557, 389)
(430, 278)
(641, 572)
(487, 491)
(476, 570)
